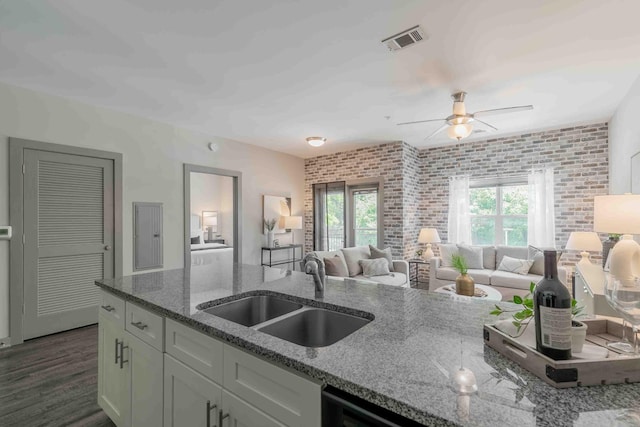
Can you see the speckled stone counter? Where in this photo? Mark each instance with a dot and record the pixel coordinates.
(403, 360)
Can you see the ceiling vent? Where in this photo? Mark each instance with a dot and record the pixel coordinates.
(404, 39)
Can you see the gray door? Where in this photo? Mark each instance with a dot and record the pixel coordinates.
(69, 235)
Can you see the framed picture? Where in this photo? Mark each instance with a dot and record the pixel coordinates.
(635, 173)
(276, 207)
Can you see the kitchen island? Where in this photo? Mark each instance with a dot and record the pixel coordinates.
(404, 360)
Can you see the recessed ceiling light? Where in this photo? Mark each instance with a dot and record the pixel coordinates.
(316, 141)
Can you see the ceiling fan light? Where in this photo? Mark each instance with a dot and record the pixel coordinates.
(316, 141)
(459, 131)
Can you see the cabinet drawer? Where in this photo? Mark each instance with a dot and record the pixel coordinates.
(283, 395)
(195, 349)
(112, 307)
(145, 325)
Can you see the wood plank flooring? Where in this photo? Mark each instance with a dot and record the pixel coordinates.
(52, 381)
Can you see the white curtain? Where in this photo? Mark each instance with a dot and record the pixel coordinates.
(541, 218)
(459, 218)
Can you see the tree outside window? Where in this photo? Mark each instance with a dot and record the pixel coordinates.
(499, 215)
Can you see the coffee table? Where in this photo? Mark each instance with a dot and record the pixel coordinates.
(491, 293)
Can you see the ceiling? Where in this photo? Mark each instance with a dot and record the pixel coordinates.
(271, 73)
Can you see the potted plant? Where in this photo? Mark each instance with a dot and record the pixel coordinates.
(270, 225)
(464, 282)
(522, 318)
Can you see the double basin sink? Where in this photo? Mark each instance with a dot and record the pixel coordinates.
(289, 320)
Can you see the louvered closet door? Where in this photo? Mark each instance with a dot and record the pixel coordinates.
(68, 218)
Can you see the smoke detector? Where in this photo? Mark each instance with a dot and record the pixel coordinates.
(404, 39)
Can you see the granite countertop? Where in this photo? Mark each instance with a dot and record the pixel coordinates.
(403, 360)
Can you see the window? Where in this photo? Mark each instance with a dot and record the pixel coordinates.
(499, 214)
(329, 216)
(363, 202)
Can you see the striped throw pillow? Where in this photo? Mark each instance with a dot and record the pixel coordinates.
(374, 267)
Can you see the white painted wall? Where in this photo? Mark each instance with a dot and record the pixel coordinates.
(624, 140)
(154, 154)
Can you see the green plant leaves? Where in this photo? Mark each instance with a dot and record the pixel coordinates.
(517, 299)
(532, 286)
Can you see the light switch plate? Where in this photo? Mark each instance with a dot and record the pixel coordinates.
(5, 232)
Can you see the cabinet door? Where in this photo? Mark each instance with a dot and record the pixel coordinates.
(145, 367)
(113, 382)
(239, 413)
(190, 399)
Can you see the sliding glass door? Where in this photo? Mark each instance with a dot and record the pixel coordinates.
(363, 216)
(329, 212)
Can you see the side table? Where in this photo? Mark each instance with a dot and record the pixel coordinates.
(292, 260)
(414, 272)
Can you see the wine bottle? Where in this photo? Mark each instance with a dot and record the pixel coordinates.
(552, 308)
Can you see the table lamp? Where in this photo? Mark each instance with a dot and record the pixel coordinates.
(584, 241)
(211, 222)
(428, 236)
(293, 223)
(620, 214)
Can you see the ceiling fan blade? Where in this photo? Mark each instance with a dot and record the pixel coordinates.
(440, 129)
(421, 121)
(503, 110)
(486, 124)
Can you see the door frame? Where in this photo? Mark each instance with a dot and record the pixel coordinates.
(356, 184)
(16, 220)
(237, 209)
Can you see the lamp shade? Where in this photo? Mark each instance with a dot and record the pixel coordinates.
(210, 220)
(584, 241)
(617, 214)
(293, 222)
(428, 235)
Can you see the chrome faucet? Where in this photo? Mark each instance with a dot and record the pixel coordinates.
(314, 266)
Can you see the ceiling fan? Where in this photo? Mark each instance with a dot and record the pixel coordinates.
(460, 123)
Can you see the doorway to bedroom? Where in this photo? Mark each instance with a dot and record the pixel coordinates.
(212, 209)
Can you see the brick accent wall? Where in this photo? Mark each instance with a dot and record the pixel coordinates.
(416, 191)
(371, 162)
(578, 154)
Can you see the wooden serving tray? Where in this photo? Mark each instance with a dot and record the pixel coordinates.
(607, 367)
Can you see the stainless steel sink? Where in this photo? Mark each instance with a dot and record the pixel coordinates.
(314, 327)
(252, 310)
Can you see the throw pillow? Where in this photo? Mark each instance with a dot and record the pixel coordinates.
(473, 256)
(352, 256)
(537, 256)
(336, 267)
(381, 253)
(515, 265)
(374, 267)
(447, 250)
(195, 240)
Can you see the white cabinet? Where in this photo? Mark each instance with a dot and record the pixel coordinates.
(190, 399)
(129, 374)
(145, 366)
(199, 381)
(113, 389)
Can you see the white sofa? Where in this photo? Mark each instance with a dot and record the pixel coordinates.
(509, 284)
(399, 277)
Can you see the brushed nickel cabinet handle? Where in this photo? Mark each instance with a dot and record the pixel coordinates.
(116, 351)
(108, 308)
(221, 418)
(122, 347)
(209, 409)
(107, 248)
(139, 325)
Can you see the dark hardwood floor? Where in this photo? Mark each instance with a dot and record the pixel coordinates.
(52, 381)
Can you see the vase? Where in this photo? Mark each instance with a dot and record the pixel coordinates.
(578, 336)
(465, 285)
(270, 239)
(607, 245)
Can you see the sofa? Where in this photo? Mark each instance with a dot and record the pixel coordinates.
(398, 277)
(507, 283)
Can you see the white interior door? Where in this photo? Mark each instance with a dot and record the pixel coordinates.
(69, 237)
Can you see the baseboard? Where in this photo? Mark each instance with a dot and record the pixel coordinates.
(5, 342)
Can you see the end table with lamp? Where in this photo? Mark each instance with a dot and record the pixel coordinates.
(428, 236)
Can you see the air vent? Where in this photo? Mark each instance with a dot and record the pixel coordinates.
(406, 38)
